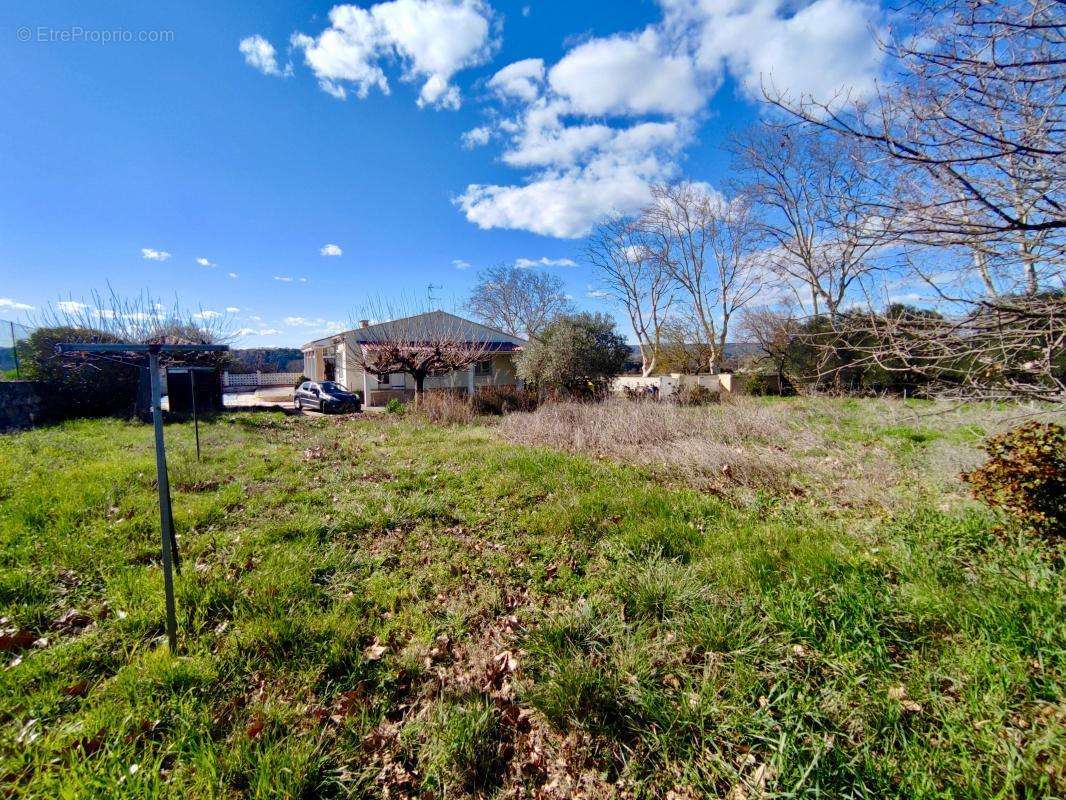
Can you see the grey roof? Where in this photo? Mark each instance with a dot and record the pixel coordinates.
(432, 322)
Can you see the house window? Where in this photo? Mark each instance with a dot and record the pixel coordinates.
(383, 380)
(483, 368)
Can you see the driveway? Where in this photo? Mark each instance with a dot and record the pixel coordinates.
(263, 397)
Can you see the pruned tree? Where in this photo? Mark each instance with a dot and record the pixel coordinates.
(419, 343)
(824, 232)
(710, 247)
(518, 301)
(623, 252)
(85, 384)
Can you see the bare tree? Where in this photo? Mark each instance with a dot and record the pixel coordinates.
(815, 191)
(518, 301)
(710, 247)
(420, 344)
(622, 251)
(973, 132)
(975, 125)
(775, 330)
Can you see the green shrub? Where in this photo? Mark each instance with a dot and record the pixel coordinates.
(395, 406)
(300, 381)
(576, 354)
(1026, 476)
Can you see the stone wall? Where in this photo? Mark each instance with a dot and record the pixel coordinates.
(21, 405)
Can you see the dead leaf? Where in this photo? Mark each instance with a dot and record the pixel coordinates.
(79, 689)
(255, 727)
(374, 652)
(70, 620)
(19, 640)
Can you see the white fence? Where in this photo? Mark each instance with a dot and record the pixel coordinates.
(667, 385)
(252, 380)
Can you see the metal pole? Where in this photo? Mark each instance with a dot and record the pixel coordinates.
(166, 522)
(195, 419)
(15, 350)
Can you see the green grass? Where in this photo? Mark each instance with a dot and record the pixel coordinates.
(417, 611)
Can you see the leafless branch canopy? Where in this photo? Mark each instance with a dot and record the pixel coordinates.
(622, 250)
(518, 301)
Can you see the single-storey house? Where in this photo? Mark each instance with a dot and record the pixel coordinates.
(338, 357)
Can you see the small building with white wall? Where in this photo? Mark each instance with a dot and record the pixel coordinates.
(337, 358)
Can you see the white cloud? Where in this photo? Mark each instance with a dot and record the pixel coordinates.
(458, 263)
(614, 113)
(257, 332)
(521, 80)
(807, 48)
(596, 294)
(476, 137)
(331, 250)
(627, 74)
(71, 306)
(525, 11)
(283, 278)
(565, 206)
(207, 314)
(525, 263)
(579, 182)
(203, 262)
(232, 274)
(7, 302)
(302, 280)
(433, 39)
(232, 309)
(154, 255)
(318, 324)
(260, 53)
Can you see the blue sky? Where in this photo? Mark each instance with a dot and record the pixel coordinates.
(506, 129)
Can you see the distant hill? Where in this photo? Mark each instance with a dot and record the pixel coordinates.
(267, 359)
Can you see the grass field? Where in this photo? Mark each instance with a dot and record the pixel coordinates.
(383, 608)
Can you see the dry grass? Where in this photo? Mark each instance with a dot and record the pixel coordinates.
(446, 408)
(734, 444)
(848, 453)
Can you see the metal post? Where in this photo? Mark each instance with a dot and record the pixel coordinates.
(15, 351)
(195, 419)
(166, 521)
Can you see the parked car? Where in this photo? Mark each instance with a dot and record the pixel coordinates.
(326, 396)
